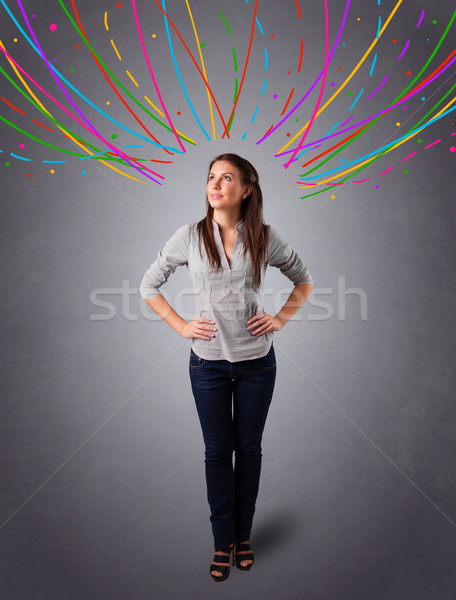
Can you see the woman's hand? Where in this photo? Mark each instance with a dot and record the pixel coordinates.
(263, 322)
(199, 328)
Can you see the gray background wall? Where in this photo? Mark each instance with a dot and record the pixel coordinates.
(102, 474)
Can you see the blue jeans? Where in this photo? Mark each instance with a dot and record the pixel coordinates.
(246, 386)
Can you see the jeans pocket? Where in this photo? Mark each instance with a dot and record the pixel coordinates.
(195, 361)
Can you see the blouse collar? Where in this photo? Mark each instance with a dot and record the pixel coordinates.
(239, 225)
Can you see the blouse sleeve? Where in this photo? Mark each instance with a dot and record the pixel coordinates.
(282, 256)
(173, 254)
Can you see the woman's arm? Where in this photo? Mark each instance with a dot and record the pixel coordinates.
(295, 300)
(161, 306)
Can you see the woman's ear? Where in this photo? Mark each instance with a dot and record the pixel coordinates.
(248, 191)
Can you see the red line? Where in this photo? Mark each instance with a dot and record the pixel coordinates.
(335, 146)
(112, 86)
(299, 10)
(12, 106)
(288, 102)
(300, 58)
(41, 125)
(196, 64)
(245, 69)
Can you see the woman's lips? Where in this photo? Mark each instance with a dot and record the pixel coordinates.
(216, 195)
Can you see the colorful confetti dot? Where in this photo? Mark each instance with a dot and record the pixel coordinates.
(52, 26)
(83, 172)
(394, 41)
(398, 124)
(77, 46)
(333, 197)
(272, 37)
(108, 102)
(21, 146)
(29, 174)
(52, 171)
(275, 96)
(406, 171)
(154, 35)
(119, 4)
(452, 148)
(15, 40)
(114, 135)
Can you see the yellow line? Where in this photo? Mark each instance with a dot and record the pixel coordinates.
(161, 114)
(131, 77)
(106, 20)
(117, 52)
(77, 142)
(204, 69)
(389, 149)
(348, 78)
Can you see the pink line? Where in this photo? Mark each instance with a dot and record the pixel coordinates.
(405, 48)
(453, 133)
(75, 118)
(152, 75)
(321, 90)
(421, 18)
(409, 156)
(362, 180)
(381, 174)
(267, 134)
(304, 183)
(433, 144)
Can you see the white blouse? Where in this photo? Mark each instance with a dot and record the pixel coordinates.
(226, 296)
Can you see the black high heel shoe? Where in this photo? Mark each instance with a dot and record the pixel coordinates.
(243, 544)
(224, 569)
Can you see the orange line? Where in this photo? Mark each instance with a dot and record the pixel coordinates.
(12, 106)
(112, 86)
(41, 125)
(288, 102)
(196, 65)
(300, 58)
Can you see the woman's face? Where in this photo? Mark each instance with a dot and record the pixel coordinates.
(224, 186)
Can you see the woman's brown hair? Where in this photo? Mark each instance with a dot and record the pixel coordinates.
(255, 229)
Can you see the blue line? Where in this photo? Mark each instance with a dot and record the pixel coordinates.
(264, 87)
(254, 114)
(373, 64)
(259, 26)
(81, 95)
(133, 146)
(20, 157)
(244, 135)
(92, 155)
(379, 25)
(331, 130)
(265, 58)
(179, 75)
(54, 161)
(359, 95)
(419, 128)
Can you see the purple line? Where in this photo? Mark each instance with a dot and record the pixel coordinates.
(349, 118)
(315, 82)
(378, 89)
(380, 113)
(421, 18)
(116, 150)
(405, 48)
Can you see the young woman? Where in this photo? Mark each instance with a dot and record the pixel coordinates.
(232, 364)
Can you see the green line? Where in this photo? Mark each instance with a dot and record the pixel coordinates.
(232, 120)
(50, 118)
(234, 58)
(61, 149)
(115, 78)
(227, 26)
(235, 89)
(439, 43)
